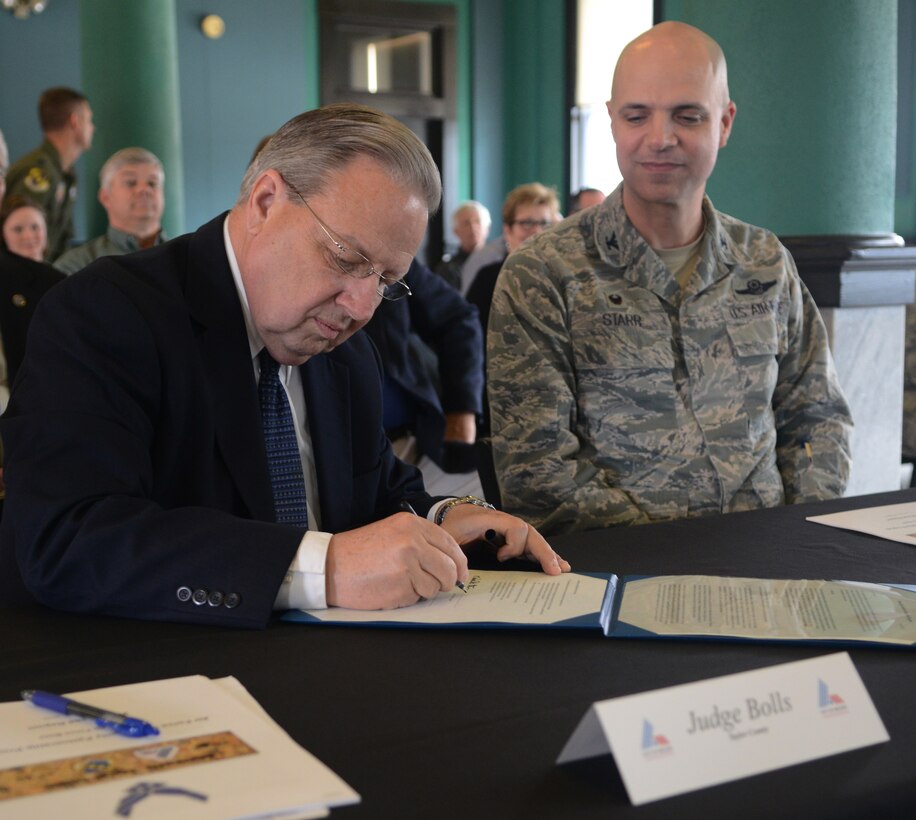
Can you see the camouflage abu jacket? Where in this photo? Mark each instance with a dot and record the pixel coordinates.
(616, 398)
(38, 176)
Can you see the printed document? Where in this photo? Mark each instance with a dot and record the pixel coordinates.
(761, 608)
(218, 755)
(492, 597)
(894, 522)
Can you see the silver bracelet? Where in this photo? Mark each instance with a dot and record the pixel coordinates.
(454, 502)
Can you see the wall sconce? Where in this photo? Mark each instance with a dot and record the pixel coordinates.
(212, 26)
(21, 9)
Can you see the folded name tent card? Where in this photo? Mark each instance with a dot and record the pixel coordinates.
(217, 755)
(682, 738)
(668, 606)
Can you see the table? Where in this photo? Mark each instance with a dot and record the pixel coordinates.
(468, 723)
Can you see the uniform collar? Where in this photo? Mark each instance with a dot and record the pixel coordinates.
(621, 246)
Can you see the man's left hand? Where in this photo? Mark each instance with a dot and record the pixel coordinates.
(468, 522)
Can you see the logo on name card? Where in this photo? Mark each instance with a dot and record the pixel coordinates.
(654, 745)
(830, 703)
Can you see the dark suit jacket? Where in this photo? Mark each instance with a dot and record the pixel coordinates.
(442, 318)
(136, 467)
(22, 283)
(480, 293)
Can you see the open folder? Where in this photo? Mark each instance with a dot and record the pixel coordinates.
(665, 606)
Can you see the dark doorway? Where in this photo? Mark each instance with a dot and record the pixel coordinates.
(399, 58)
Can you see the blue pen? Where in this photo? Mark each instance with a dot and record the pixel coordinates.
(121, 724)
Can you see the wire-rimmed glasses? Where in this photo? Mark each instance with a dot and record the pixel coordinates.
(353, 264)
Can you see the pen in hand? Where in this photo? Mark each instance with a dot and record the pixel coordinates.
(121, 724)
(494, 538)
(407, 507)
(805, 443)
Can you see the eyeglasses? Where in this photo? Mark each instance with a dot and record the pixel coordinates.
(531, 224)
(353, 264)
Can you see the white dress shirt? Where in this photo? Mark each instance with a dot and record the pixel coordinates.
(303, 586)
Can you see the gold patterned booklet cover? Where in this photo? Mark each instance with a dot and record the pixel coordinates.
(663, 606)
(217, 754)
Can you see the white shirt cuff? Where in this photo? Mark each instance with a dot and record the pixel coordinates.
(303, 585)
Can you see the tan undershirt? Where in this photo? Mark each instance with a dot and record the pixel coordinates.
(682, 262)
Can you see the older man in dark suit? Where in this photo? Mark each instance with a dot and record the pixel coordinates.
(196, 433)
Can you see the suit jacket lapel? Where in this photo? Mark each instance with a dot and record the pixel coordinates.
(223, 346)
(327, 399)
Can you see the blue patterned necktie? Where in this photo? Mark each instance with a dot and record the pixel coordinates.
(283, 458)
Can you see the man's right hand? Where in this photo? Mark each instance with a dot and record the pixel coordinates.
(392, 563)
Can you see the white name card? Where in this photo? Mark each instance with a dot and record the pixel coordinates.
(682, 738)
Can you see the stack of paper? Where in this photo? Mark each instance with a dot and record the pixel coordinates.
(218, 755)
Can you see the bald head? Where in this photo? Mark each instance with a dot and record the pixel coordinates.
(670, 114)
(677, 45)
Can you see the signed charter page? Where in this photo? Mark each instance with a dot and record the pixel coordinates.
(492, 597)
(765, 608)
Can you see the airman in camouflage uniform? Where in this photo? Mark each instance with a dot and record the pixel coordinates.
(625, 392)
(39, 177)
(45, 175)
(616, 399)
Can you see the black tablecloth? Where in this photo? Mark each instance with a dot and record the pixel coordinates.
(468, 723)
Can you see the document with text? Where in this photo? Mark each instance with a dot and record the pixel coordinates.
(217, 755)
(893, 522)
(670, 606)
(766, 609)
(493, 598)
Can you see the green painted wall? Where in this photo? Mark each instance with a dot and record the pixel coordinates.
(905, 204)
(813, 149)
(536, 118)
(130, 73)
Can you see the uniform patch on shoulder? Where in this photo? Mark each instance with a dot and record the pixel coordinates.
(755, 287)
(37, 181)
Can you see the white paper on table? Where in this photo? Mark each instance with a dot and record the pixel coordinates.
(492, 596)
(895, 522)
(681, 738)
(762, 608)
(279, 780)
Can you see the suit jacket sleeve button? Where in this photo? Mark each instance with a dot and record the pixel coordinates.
(232, 600)
(183, 594)
(215, 598)
(199, 597)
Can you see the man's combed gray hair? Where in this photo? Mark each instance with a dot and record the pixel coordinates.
(128, 156)
(310, 147)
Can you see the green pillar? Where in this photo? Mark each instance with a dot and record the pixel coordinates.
(814, 144)
(536, 113)
(130, 74)
(812, 157)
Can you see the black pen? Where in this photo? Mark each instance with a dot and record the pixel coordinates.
(805, 444)
(494, 539)
(406, 507)
(122, 724)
